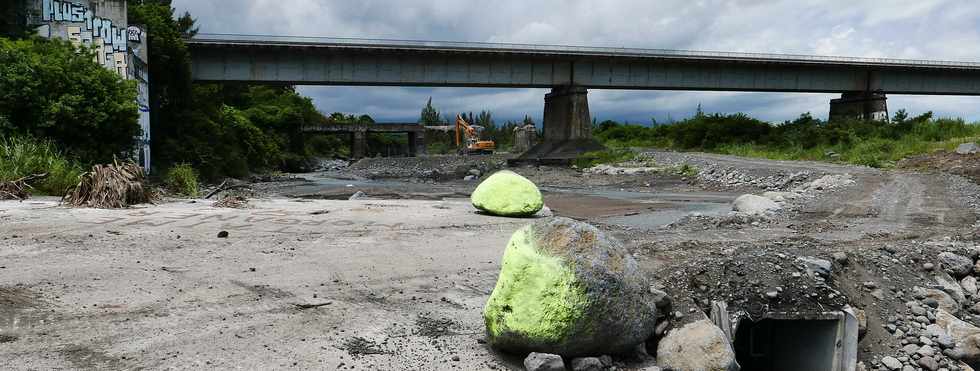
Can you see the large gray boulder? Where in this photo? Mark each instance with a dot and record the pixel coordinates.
(697, 346)
(567, 288)
(965, 335)
(754, 205)
(968, 148)
(957, 265)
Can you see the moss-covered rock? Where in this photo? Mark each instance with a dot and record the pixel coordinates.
(506, 193)
(566, 288)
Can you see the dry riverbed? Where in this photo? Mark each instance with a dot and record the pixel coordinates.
(304, 278)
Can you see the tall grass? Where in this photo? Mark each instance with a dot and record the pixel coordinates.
(870, 143)
(182, 179)
(23, 156)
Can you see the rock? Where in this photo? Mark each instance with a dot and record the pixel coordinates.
(951, 287)
(223, 234)
(566, 288)
(840, 257)
(957, 265)
(891, 363)
(928, 363)
(543, 362)
(587, 364)
(661, 300)
(967, 148)
(545, 212)
(910, 349)
(475, 172)
(506, 193)
(470, 178)
(357, 196)
(817, 267)
(965, 335)
(969, 285)
(697, 346)
(938, 299)
(926, 351)
(606, 361)
(830, 182)
(928, 266)
(754, 205)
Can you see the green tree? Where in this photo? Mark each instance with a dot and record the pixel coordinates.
(429, 115)
(51, 89)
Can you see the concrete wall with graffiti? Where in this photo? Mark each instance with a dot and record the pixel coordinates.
(119, 46)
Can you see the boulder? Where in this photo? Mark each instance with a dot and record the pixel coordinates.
(566, 288)
(891, 362)
(957, 265)
(969, 285)
(754, 205)
(506, 193)
(968, 148)
(951, 287)
(965, 335)
(945, 301)
(697, 346)
(543, 362)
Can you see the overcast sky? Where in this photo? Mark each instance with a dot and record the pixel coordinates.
(926, 29)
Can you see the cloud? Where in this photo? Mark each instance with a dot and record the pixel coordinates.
(926, 29)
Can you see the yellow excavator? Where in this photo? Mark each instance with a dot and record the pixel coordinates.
(473, 144)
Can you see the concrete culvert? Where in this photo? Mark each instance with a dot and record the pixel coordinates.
(821, 342)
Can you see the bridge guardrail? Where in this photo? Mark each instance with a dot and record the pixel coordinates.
(568, 49)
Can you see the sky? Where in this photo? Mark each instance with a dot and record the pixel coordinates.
(914, 29)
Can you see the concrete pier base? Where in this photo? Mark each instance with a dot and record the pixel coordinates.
(358, 144)
(567, 128)
(863, 105)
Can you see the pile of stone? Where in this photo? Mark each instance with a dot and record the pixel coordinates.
(332, 165)
(426, 167)
(774, 201)
(932, 336)
(606, 169)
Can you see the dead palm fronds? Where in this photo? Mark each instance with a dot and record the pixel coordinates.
(109, 187)
(18, 189)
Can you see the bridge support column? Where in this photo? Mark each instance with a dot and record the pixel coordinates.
(416, 144)
(358, 144)
(567, 127)
(864, 105)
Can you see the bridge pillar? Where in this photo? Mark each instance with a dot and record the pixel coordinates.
(358, 144)
(416, 143)
(864, 105)
(567, 127)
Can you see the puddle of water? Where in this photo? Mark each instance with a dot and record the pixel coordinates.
(635, 209)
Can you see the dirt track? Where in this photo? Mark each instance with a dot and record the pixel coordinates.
(399, 284)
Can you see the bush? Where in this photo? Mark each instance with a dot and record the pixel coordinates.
(51, 89)
(24, 156)
(182, 179)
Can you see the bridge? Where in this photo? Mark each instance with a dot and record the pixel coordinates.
(358, 135)
(570, 71)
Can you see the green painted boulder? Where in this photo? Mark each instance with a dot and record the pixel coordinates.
(566, 288)
(506, 193)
